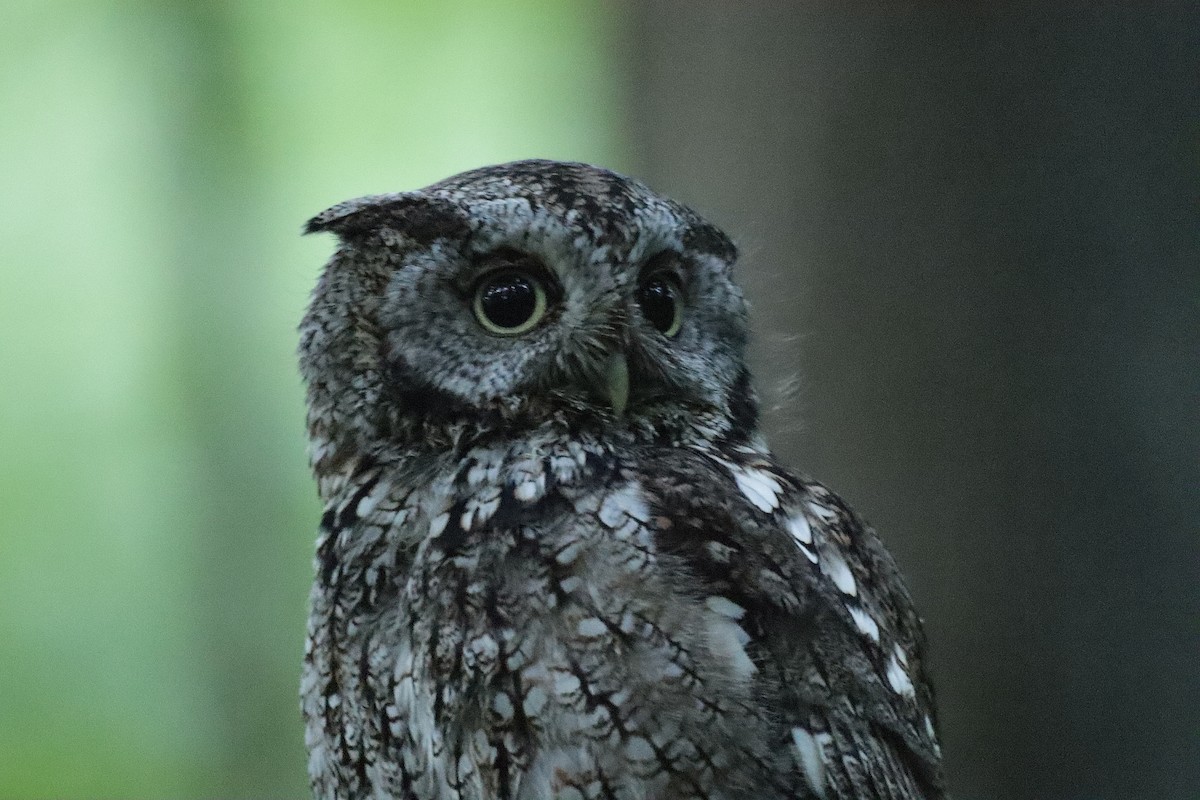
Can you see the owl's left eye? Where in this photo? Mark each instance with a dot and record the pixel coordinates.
(509, 302)
(661, 300)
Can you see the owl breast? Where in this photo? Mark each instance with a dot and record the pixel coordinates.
(535, 644)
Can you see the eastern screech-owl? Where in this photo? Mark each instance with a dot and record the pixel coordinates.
(557, 559)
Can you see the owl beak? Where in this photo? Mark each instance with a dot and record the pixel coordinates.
(616, 381)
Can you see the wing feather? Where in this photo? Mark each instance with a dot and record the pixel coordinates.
(838, 646)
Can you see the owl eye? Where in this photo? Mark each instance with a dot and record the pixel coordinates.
(509, 302)
(661, 299)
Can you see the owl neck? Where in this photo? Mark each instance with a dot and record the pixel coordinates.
(426, 432)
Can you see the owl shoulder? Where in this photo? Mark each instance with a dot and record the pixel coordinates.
(828, 619)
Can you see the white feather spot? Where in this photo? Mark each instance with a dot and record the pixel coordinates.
(438, 524)
(638, 748)
(479, 509)
(483, 748)
(811, 756)
(368, 503)
(565, 683)
(483, 649)
(823, 512)
(798, 526)
(476, 474)
(535, 701)
(865, 623)
(395, 724)
(516, 659)
(897, 676)
(487, 509)
(486, 468)
(622, 504)
(801, 532)
(568, 554)
(833, 565)
(759, 487)
(591, 627)
(502, 705)
(529, 491)
(727, 637)
(725, 607)
(937, 748)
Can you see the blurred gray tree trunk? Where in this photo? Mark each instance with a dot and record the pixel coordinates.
(974, 237)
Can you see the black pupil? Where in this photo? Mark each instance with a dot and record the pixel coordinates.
(509, 301)
(658, 303)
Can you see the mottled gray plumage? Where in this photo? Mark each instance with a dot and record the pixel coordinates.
(562, 563)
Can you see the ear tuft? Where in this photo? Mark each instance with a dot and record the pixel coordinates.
(421, 217)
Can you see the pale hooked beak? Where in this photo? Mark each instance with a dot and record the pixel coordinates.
(615, 377)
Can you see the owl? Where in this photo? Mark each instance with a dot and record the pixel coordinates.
(557, 558)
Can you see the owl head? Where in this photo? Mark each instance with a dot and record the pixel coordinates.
(518, 295)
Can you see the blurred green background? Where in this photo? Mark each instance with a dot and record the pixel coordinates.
(969, 234)
(157, 162)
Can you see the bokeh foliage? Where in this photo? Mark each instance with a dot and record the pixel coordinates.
(158, 159)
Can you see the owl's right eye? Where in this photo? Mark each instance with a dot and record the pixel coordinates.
(509, 302)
